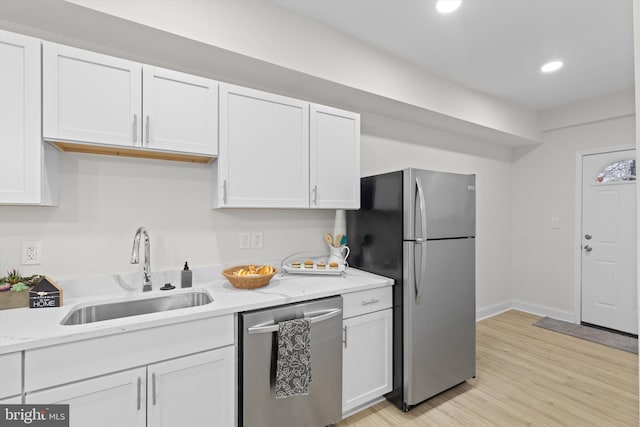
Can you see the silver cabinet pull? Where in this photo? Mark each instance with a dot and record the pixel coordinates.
(147, 130)
(139, 393)
(315, 195)
(588, 248)
(135, 128)
(344, 328)
(273, 327)
(153, 387)
(371, 301)
(588, 236)
(224, 192)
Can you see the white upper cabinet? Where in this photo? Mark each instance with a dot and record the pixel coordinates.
(334, 158)
(180, 111)
(279, 152)
(28, 168)
(90, 97)
(264, 150)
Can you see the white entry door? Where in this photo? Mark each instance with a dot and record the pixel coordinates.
(609, 252)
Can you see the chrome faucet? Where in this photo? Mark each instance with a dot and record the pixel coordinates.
(147, 256)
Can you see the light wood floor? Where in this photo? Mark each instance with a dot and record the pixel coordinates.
(528, 376)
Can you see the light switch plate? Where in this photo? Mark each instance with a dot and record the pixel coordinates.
(256, 239)
(244, 241)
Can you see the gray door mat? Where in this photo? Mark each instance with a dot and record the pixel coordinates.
(611, 339)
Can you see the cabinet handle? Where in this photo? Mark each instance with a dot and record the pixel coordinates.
(153, 387)
(371, 301)
(344, 328)
(147, 130)
(315, 194)
(224, 192)
(139, 393)
(135, 128)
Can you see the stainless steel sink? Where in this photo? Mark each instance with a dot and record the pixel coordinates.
(125, 308)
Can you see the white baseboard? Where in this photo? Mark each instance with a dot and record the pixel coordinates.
(493, 310)
(539, 310)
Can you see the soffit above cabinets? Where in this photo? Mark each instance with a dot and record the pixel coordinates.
(482, 118)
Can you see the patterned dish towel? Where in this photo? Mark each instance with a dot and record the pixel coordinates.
(293, 369)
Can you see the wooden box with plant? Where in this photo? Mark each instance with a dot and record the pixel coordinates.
(14, 289)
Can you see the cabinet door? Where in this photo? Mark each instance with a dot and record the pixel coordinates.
(11, 374)
(107, 401)
(334, 158)
(15, 400)
(367, 358)
(180, 111)
(22, 154)
(193, 391)
(264, 150)
(90, 97)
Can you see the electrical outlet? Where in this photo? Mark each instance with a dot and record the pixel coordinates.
(245, 240)
(32, 252)
(256, 239)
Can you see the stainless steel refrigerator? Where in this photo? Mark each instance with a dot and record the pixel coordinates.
(418, 227)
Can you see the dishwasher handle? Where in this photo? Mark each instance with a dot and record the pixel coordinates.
(275, 326)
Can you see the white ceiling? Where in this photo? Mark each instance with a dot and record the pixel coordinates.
(498, 46)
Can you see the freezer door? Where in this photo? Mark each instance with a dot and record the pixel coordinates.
(375, 230)
(438, 205)
(439, 340)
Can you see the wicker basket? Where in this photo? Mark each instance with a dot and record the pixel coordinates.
(247, 282)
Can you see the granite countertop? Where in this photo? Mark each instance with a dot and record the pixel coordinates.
(24, 328)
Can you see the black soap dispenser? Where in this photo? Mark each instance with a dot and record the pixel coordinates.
(186, 276)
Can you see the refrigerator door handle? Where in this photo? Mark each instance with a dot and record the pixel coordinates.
(419, 269)
(422, 240)
(423, 212)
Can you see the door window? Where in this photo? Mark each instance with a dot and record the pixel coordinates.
(620, 171)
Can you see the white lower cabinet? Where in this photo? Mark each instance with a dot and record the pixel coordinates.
(367, 349)
(106, 401)
(195, 391)
(182, 374)
(11, 375)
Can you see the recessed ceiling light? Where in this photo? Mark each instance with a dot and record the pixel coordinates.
(447, 6)
(552, 66)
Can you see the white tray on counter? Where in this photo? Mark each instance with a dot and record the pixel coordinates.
(314, 270)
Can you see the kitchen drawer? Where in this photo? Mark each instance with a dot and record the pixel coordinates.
(64, 363)
(11, 374)
(357, 303)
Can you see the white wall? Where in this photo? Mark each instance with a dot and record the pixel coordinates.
(104, 199)
(493, 198)
(543, 187)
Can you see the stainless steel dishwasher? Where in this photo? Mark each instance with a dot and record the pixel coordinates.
(258, 356)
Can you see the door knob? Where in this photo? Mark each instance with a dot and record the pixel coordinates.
(588, 248)
(588, 236)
